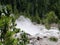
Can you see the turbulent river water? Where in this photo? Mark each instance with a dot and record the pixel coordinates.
(35, 29)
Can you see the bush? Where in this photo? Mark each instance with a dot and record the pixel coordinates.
(51, 18)
(47, 26)
(53, 39)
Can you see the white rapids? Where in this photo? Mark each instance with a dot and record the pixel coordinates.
(35, 30)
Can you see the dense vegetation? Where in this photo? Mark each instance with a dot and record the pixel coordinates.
(34, 8)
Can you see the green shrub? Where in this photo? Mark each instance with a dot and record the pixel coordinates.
(51, 18)
(47, 26)
(53, 39)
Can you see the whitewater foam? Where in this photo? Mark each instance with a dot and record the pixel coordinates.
(29, 27)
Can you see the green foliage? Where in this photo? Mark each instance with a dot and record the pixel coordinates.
(6, 33)
(47, 26)
(30, 6)
(0, 43)
(53, 39)
(24, 39)
(16, 30)
(36, 10)
(9, 7)
(51, 18)
(9, 40)
(8, 29)
(37, 18)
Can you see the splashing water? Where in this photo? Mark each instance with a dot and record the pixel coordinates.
(29, 27)
(36, 30)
